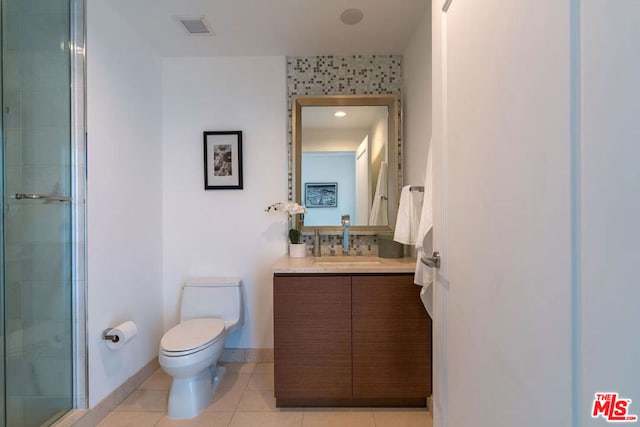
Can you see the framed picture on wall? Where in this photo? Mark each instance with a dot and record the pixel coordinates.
(223, 160)
(321, 194)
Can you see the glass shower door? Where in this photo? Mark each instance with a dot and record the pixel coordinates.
(36, 133)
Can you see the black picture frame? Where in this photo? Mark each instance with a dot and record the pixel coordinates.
(223, 160)
(321, 194)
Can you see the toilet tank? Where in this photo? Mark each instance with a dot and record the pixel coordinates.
(213, 297)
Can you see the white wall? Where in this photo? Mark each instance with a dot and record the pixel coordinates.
(332, 139)
(224, 232)
(124, 197)
(417, 102)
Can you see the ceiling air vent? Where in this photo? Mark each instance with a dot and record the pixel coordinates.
(195, 25)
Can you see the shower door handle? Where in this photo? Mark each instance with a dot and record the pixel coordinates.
(23, 196)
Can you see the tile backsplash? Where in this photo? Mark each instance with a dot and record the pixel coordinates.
(331, 245)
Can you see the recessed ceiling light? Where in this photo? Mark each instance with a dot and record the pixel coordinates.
(351, 16)
(340, 114)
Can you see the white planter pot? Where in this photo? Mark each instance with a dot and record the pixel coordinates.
(297, 250)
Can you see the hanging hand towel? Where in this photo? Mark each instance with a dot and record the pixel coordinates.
(424, 275)
(378, 215)
(408, 216)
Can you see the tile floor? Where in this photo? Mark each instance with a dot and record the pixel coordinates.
(245, 398)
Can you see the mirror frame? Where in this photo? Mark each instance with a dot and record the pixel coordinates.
(392, 103)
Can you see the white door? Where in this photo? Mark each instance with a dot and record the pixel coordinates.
(503, 297)
(363, 183)
(609, 204)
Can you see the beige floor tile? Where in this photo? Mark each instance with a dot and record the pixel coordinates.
(338, 419)
(131, 419)
(239, 368)
(257, 401)
(145, 400)
(266, 419)
(263, 368)
(233, 381)
(403, 418)
(159, 380)
(205, 419)
(225, 401)
(260, 382)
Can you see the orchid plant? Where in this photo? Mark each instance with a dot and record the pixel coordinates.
(291, 209)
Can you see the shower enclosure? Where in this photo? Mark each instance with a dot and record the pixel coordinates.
(42, 260)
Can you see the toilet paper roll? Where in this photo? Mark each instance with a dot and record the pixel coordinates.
(125, 332)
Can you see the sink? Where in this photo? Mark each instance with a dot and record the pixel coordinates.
(341, 260)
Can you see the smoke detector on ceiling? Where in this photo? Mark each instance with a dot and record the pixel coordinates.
(195, 26)
(351, 16)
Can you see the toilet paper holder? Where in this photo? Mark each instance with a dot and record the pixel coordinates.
(106, 336)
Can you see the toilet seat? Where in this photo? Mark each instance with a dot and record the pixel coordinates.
(191, 336)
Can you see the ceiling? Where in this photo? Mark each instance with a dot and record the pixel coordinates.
(358, 117)
(274, 27)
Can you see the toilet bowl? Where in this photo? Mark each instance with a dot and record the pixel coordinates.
(189, 351)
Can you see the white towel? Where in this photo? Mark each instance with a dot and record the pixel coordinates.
(408, 216)
(378, 214)
(424, 245)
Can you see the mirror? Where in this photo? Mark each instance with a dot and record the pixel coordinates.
(346, 160)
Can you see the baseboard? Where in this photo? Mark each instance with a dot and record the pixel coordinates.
(92, 417)
(257, 355)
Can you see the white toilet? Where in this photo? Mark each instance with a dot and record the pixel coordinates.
(211, 308)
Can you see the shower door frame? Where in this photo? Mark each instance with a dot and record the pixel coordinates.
(80, 350)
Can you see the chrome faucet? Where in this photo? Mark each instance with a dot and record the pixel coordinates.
(317, 244)
(346, 221)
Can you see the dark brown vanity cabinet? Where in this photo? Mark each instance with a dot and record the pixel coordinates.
(350, 340)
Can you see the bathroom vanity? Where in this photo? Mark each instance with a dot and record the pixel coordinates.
(350, 331)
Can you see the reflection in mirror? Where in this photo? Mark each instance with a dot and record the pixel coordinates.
(343, 148)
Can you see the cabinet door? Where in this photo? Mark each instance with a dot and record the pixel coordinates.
(391, 338)
(312, 337)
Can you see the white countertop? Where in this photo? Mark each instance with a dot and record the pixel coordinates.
(341, 264)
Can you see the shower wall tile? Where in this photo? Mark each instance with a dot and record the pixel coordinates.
(14, 218)
(44, 6)
(45, 69)
(13, 148)
(12, 109)
(12, 64)
(46, 300)
(15, 411)
(42, 261)
(45, 222)
(13, 25)
(37, 410)
(45, 340)
(45, 107)
(46, 146)
(45, 31)
(46, 179)
(13, 374)
(46, 377)
(13, 294)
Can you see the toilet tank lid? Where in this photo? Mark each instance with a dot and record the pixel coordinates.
(213, 281)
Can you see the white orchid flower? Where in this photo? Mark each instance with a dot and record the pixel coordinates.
(290, 208)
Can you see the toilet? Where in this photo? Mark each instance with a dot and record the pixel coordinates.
(211, 309)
